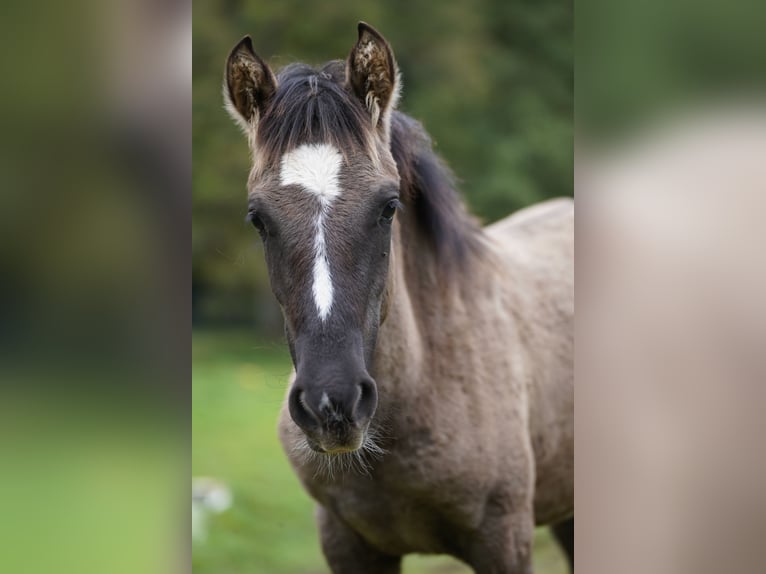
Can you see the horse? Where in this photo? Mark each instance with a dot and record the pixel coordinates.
(430, 409)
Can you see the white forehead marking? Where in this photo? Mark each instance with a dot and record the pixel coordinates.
(316, 169)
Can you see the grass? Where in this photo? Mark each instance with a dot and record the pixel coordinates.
(238, 386)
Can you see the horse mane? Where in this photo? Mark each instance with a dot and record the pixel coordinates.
(428, 187)
(312, 105)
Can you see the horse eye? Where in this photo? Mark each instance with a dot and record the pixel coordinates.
(387, 215)
(257, 222)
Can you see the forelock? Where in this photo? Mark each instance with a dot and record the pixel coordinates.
(312, 106)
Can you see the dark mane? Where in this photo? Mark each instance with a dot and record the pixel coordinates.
(428, 187)
(311, 105)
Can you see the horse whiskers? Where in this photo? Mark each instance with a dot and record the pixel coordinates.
(330, 466)
(371, 446)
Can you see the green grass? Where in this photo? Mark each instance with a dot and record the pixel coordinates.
(238, 387)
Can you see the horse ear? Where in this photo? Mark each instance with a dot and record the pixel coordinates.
(372, 75)
(249, 85)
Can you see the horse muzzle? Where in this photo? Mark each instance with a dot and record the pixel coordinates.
(334, 416)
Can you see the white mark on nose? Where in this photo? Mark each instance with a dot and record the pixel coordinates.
(324, 402)
(315, 168)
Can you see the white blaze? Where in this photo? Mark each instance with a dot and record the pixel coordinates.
(315, 168)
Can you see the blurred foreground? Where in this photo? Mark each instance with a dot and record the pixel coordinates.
(671, 332)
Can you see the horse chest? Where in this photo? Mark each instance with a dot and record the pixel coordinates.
(400, 519)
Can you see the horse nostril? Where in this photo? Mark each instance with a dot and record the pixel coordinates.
(300, 411)
(367, 402)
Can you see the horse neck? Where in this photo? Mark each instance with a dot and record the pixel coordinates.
(421, 304)
(434, 247)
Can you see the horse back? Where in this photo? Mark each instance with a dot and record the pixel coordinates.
(548, 216)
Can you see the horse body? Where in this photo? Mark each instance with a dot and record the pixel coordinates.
(476, 398)
(431, 406)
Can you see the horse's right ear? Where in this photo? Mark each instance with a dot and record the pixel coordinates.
(249, 85)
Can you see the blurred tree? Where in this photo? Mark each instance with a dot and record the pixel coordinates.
(491, 80)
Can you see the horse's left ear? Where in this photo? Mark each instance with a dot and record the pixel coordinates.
(372, 75)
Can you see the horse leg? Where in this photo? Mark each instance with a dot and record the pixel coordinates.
(564, 533)
(504, 545)
(347, 553)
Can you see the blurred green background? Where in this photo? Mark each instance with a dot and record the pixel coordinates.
(491, 80)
